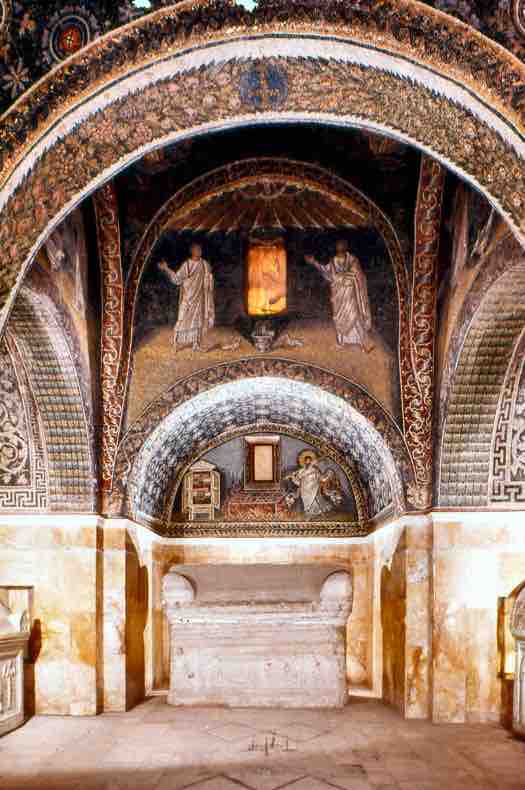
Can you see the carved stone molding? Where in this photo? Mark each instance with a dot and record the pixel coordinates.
(109, 253)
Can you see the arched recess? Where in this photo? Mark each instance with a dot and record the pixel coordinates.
(52, 377)
(283, 371)
(260, 400)
(326, 450)
(398, 67)
(475, 445)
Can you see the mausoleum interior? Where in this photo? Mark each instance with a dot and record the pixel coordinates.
(262, 394)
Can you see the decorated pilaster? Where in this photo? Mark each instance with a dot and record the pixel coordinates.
(109, 250)
(418, 381)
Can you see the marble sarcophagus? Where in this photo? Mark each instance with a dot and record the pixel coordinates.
(257, 635)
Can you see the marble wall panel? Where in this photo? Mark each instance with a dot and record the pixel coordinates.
(61, 564)
(478, 559)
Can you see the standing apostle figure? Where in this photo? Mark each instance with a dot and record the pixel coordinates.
(196, 304)
(349, 297)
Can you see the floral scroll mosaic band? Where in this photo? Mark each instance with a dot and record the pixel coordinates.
(6, 8)
(418, 403)
(112, 291)
(90, 151)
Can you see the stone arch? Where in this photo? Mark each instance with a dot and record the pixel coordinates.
(246, 401)
(185, 70)
(53, 380)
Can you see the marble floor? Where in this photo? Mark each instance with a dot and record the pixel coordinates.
(366, 746)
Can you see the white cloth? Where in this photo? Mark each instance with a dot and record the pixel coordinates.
(349, 297)
(196, 304)
(308, 480)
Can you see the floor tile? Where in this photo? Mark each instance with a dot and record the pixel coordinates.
(231, 732)
(366, 746)
(264, 777)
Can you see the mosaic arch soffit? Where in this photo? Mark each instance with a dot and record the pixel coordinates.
(191, 68)
(51, 369)
(191, 425)
(326, 450)
(474, 466)
(505, 254)
(284, 371)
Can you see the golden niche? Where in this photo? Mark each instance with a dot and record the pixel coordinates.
(266, 277)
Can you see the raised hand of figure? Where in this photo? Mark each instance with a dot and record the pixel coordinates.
(163, 266)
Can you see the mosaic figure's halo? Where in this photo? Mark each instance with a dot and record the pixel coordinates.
(301, 458)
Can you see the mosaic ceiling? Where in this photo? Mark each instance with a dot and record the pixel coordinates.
(406, 187)
(36, 36)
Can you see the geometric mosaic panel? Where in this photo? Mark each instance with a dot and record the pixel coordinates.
(507, 482)
(472, 471)
(55, 387)
(22, 463)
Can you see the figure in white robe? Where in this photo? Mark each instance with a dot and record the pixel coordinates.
(349, 297)
(196, 303)
(309, 478)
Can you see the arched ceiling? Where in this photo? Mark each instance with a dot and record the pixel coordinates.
(191, 425)
(474, 459)
(450, 92)
(53, 380)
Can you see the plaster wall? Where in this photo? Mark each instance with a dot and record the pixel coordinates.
(402, 625)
